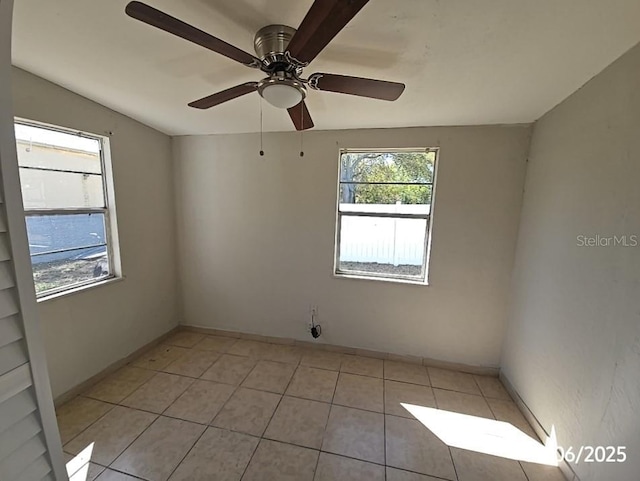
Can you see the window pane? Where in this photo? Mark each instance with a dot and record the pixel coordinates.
(58, 190)
(34, 136)
(394, 247)
(38, 147)
(384, 194)
(49, 233)
(67, 249)
(53, 271)
(414, 167)
(55, 158)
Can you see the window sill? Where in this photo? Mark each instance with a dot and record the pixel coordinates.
(341, 275)
(76, 290)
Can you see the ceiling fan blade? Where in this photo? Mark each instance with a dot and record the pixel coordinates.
(363, 87)
(224, 95)
(300, 116)
(163, 21)
(323, 21)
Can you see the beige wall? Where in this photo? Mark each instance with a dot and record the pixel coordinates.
(573, 345)
(87, 331)
(256, 240)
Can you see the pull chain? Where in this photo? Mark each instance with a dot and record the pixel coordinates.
(302, 130)
(261, 151)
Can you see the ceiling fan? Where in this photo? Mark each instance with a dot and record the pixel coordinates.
(282, 53)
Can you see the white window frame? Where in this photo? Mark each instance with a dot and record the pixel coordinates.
(406, 279)
(109, 212)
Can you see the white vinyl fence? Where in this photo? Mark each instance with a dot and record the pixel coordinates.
(383, 240)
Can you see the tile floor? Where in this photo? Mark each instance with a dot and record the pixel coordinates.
(200, 407)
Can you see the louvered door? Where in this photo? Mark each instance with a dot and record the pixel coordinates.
(29, 441)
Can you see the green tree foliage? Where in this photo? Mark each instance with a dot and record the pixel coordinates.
(388, 171)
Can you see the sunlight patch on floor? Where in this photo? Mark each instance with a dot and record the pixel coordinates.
(486, 436)
(78, 467)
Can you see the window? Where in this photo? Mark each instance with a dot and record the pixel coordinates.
(68, 203)
(384, 213)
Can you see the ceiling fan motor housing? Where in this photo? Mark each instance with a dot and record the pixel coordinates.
(270, 44)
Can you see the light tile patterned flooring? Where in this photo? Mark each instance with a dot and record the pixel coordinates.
(200, 407)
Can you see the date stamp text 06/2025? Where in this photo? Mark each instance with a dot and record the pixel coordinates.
(593, 454)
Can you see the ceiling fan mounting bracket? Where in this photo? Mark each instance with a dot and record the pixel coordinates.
(294, 61)
(312, 81)
(255, 64)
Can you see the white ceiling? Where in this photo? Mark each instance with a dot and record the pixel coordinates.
(464, 61)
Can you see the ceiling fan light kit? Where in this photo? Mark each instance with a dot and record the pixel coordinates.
(282, 92)
(282, 53)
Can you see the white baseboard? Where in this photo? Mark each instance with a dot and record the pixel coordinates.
(480, 370)
(542, 433)
(83, 386)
